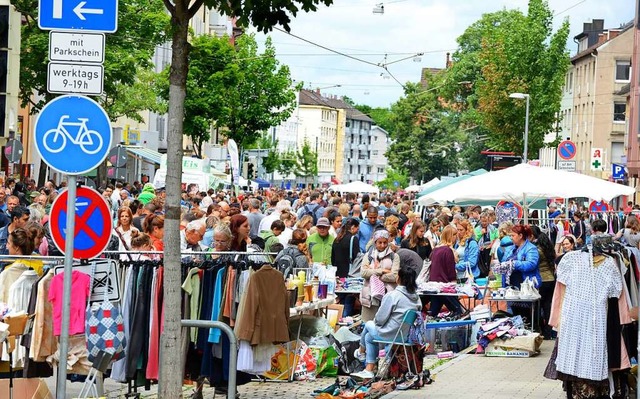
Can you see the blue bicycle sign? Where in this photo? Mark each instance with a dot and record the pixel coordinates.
(73, 134)
(55, 140)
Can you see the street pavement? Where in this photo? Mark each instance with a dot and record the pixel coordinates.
(467, 376)
(478, 376)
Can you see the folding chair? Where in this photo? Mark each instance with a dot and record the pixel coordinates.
(408, 319)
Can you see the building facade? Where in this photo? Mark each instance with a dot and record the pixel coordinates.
(319, 128)
(600, 69)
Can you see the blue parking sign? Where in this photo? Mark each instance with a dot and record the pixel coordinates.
(617, 172)
(73, 134)
(78, 15)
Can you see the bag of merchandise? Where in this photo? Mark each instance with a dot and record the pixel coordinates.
(281, 363)
(326, 361)
(306, 367)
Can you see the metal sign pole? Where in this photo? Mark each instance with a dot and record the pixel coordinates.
(61, 389)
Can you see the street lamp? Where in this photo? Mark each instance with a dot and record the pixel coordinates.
(523, 96)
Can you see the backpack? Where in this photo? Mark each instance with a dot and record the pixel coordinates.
(286, 261)
(311, 212)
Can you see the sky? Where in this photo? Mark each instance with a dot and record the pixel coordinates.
(406, 28)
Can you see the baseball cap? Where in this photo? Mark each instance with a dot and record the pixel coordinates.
(323, 222)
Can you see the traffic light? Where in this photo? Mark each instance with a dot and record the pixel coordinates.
(251, 171)
(10, 21)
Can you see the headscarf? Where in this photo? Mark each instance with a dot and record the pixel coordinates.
(382, 233)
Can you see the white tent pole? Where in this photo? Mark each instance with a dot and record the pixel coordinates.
(525, 206)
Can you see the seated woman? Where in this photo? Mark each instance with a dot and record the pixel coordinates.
(388, 319)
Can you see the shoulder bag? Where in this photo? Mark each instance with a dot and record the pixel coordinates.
(355, 265)
(104, 324)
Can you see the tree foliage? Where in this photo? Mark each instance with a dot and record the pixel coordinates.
(212, 71)
(307, 162)
(128, 66)
(262, 96)
(394, 180)
(287, 164)
(421, 127)
(381, 116)
(507, 52)
(272, 160)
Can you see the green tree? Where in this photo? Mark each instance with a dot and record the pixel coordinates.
(264, 14)
(262, 96)
(272, 160)
(307, 162)
(506, 52)
(287, 164)
(394, 176)
(381, 116)
(142, 25)
(421, 128)
(212, 71)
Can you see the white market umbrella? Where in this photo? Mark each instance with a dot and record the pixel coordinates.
(525, 182)
(416, 188)
(358, 187)
(413, 189)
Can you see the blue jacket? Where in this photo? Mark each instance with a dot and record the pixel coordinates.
(525, 260)
(471, 255)
(506, 246)
(365, 232)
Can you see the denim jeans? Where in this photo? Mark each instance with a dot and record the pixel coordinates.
(369, 334)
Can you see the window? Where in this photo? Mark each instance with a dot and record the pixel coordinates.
(619, 112)
(375, 153)
(375, 138)
(348, 124)
(623, 70)
(380, 170)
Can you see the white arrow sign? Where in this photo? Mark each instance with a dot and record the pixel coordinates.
(80, 11)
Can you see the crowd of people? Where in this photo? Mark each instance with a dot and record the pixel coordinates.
(331, 228)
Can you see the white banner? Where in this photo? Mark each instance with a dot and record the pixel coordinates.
(232, 148)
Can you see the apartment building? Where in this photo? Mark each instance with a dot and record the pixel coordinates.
(318, 126)
(600, 69)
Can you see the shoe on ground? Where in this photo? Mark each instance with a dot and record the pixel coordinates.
(364, 375)
(359, 355)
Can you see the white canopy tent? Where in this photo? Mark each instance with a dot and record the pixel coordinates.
(416, 188)
(525, 182)
(355, 187)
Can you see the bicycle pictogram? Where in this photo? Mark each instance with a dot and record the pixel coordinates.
(55, 140)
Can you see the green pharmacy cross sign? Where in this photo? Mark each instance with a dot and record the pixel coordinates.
(596, 164)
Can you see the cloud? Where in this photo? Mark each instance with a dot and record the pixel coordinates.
(406, 28)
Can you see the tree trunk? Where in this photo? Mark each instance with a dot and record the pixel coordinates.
(171, 371)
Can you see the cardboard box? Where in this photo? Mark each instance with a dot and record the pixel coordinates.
(26, 388)
(525, 346)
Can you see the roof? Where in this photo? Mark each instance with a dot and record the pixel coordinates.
(594, 48)
(308, 97)
(144, 154)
